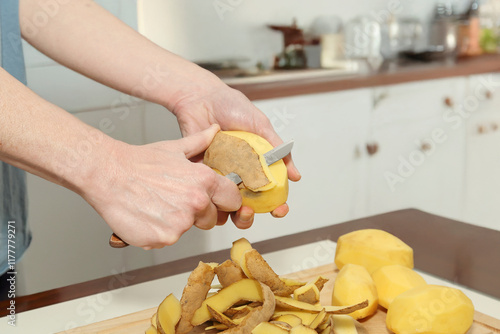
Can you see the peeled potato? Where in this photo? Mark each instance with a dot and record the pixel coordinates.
(393, 280)
(430, 309)
(264, 188)
(354, 285)
(372, 249)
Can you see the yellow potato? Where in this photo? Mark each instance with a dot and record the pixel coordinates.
(372, 249)
(430, 309)
(264, 187)
(354, 285)
(393, 280)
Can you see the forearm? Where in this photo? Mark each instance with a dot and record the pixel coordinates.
(45, 140)
(88, 39)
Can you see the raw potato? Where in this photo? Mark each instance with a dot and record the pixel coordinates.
(254, 265)
(268, 328)
(258, 315)
(308, 293)
(354, 285)
(168, 314)
(265, 187)
(393, 280)
(245, 289)
(372, 249)
(430, 309)
(228, 273)
(194, 293)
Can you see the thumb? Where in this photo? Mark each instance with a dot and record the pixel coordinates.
(197, 143)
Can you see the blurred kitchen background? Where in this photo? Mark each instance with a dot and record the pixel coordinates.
(362, 150)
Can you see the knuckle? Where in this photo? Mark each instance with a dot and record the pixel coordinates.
(199, 201)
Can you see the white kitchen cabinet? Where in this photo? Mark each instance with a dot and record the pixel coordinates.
(329, 131)
(417, 158)
(482, 123)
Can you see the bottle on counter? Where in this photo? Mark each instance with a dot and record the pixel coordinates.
(469, 33)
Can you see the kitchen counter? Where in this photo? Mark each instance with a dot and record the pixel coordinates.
(446, 252)
(321, 81)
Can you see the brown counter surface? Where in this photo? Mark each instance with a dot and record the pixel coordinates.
(462, 253)
(387, 75)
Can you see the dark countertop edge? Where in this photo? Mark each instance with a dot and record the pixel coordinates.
(416, 72)
(467, 255)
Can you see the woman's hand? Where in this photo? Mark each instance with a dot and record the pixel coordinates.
(150, 195)
(210, 101)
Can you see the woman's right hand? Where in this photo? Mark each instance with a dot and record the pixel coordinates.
(150, 195)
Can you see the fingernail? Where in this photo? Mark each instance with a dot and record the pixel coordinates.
(246, 216)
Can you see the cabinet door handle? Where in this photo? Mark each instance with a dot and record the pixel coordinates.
(481, 129)
(448, 101)
(372, 148)
(424, 147)
(488, 95)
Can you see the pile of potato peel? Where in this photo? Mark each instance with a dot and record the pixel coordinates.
(251, 299)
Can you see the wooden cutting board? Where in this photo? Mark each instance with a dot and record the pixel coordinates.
(138, 322)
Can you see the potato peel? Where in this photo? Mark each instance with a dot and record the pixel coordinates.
(260, 270)
(193, 295)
